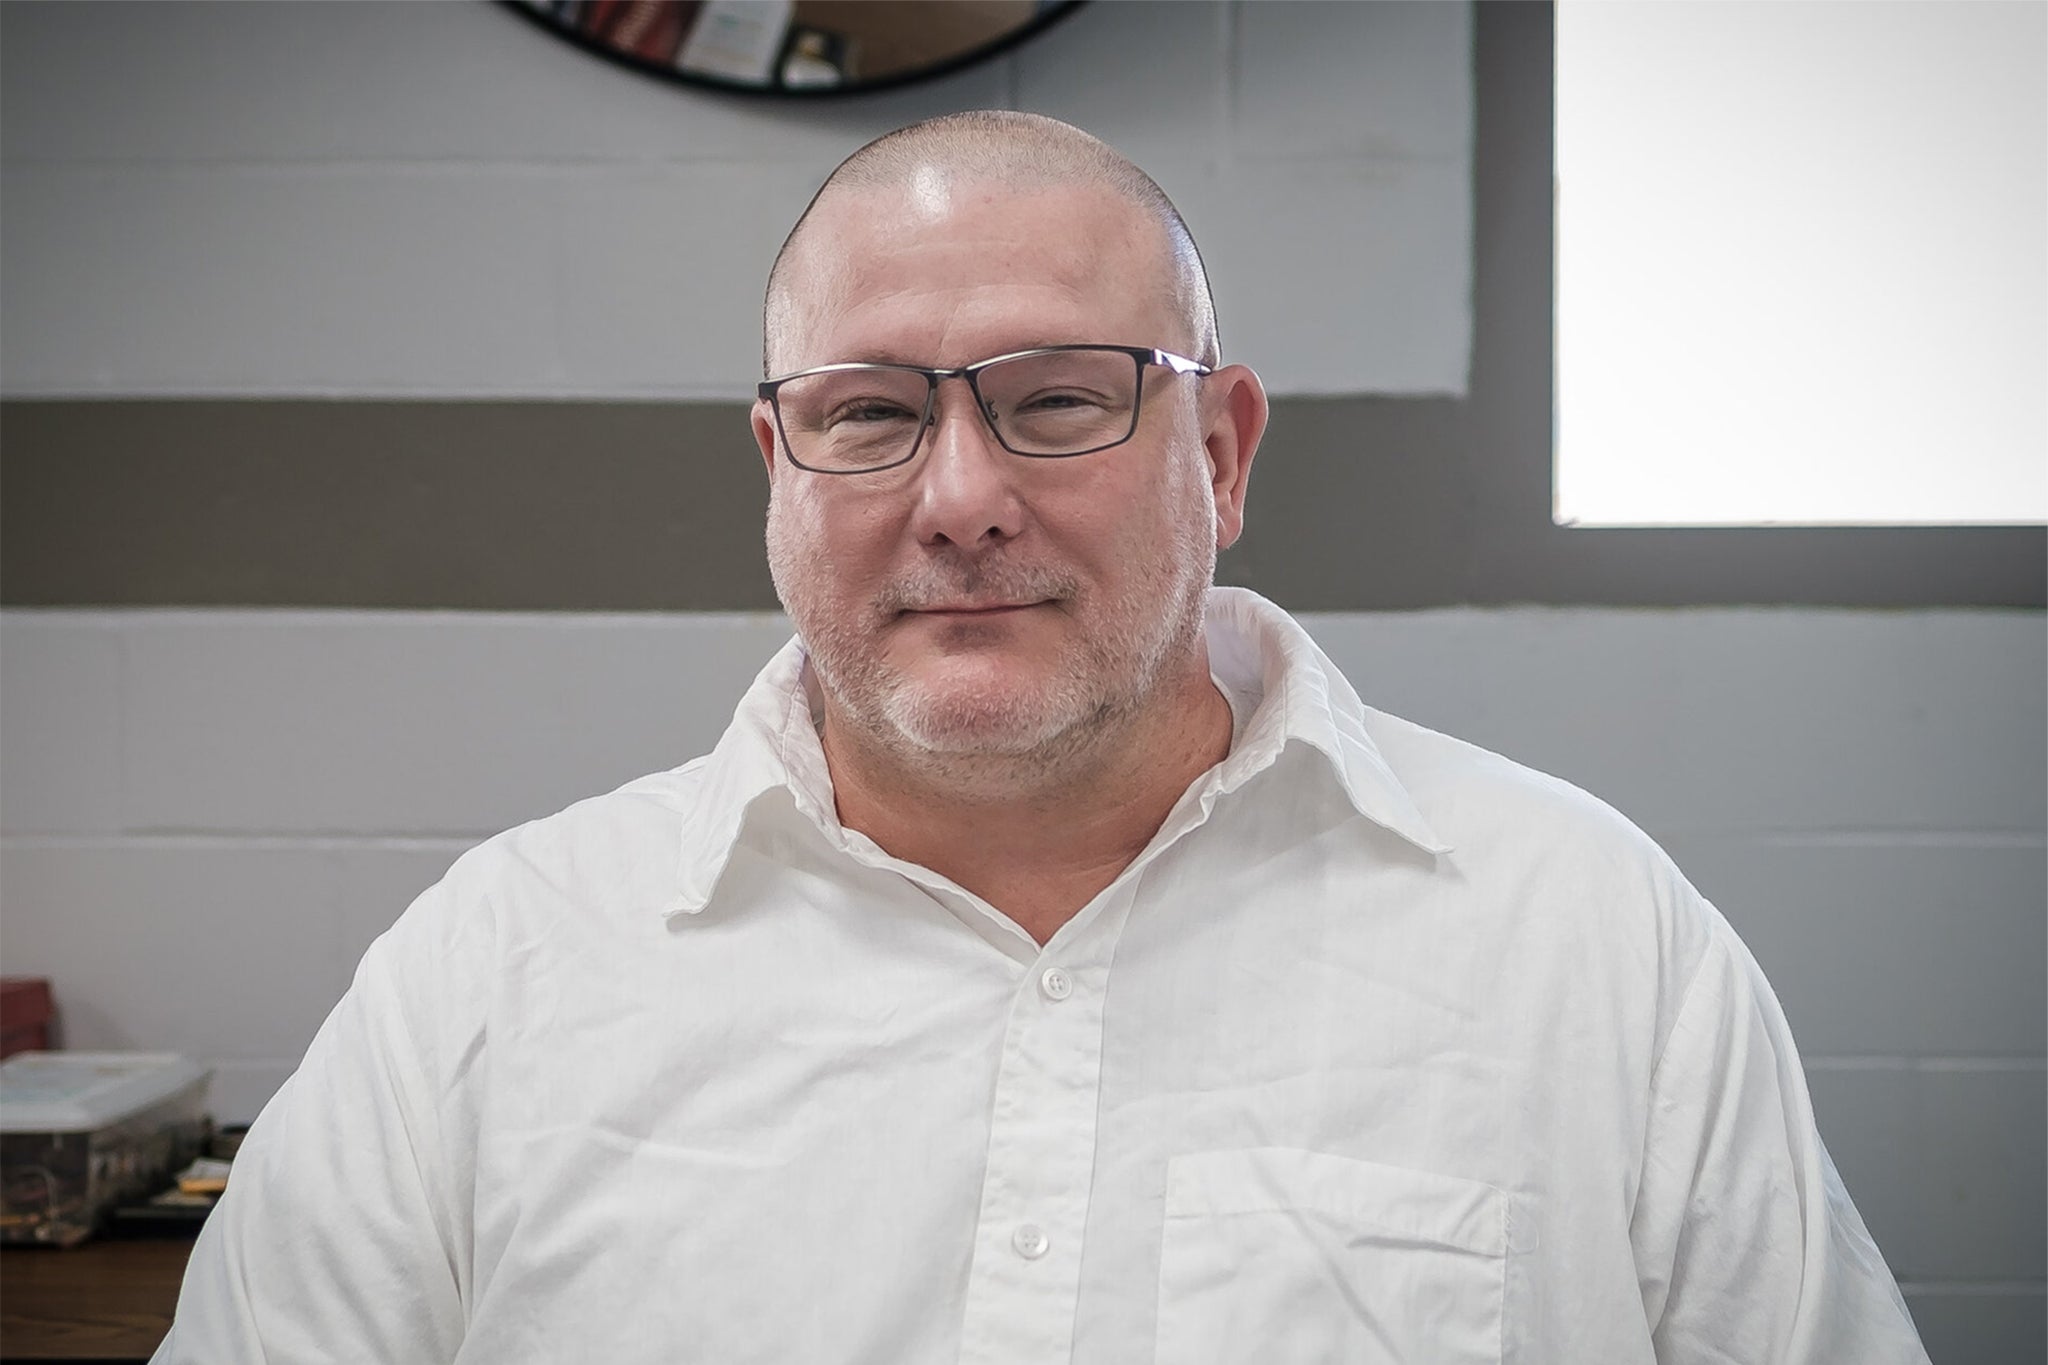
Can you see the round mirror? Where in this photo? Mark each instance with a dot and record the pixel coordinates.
(795, 47)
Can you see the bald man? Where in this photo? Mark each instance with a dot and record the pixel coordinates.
(1055, 960)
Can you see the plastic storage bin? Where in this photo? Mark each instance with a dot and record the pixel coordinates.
(83, 1131)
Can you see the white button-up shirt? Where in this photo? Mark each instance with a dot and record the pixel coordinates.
(1385, 1049)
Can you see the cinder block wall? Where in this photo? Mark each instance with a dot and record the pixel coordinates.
(436, 199)
(206, 814)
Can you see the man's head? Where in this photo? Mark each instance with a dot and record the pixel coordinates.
(973, 603)
(993, 147)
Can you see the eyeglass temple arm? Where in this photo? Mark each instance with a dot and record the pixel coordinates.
(1179, 364)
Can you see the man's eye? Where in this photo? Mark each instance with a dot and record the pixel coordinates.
(875, 410)
(1058, 399)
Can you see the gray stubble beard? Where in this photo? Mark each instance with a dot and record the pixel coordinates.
(1097, 697)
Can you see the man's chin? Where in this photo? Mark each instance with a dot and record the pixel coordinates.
(976, 723)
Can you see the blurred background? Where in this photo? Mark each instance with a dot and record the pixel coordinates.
(374, 474)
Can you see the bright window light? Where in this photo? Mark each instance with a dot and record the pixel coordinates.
(1802, 262)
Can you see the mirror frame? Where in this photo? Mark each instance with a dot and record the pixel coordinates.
(777, 91)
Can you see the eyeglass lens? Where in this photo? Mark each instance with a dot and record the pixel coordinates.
(1051, 403)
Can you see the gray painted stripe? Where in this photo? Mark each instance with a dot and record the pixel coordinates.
(1356, 503)
(569, 506)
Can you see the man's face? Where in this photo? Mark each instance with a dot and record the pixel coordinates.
(974, 602)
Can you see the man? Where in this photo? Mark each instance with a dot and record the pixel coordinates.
(1055, 961)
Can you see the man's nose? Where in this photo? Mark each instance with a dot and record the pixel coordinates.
(965, 493)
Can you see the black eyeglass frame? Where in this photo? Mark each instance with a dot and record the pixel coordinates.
(1141, 355)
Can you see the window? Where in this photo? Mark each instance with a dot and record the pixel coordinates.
(1802, 263)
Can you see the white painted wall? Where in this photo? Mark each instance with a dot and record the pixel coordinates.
(438, 199)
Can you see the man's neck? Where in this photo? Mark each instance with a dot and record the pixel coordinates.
(1037, 842)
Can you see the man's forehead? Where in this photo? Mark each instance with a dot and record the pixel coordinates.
(1066, 226)
(869, 244)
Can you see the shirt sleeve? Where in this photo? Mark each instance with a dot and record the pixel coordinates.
(341, 1236)
(1747, 1246)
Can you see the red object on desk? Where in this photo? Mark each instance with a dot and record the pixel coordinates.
(25, 1014)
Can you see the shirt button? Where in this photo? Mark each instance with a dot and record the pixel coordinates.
(1056, 984)
(1030, 1241)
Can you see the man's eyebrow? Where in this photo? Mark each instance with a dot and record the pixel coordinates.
(887, 356)
(882, 356)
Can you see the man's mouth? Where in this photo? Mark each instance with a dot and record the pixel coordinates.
(974, 608)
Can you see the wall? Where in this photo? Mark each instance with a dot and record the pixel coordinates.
(206, 812)
(378, 198)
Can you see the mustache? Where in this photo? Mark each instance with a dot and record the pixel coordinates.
(978, 580)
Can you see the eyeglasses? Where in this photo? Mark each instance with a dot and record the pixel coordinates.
(1050, 403)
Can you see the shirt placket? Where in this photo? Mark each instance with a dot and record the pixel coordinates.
(1025, 1279)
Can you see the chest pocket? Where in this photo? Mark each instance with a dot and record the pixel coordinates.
(1285, 1257)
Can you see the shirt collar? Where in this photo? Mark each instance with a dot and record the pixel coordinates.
(772, 744)
(752, 759)
(1303, 699)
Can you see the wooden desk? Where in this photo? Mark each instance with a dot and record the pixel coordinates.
(106, 1300)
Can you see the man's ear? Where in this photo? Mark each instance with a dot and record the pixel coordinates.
(764, 433)
(1234, 418)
